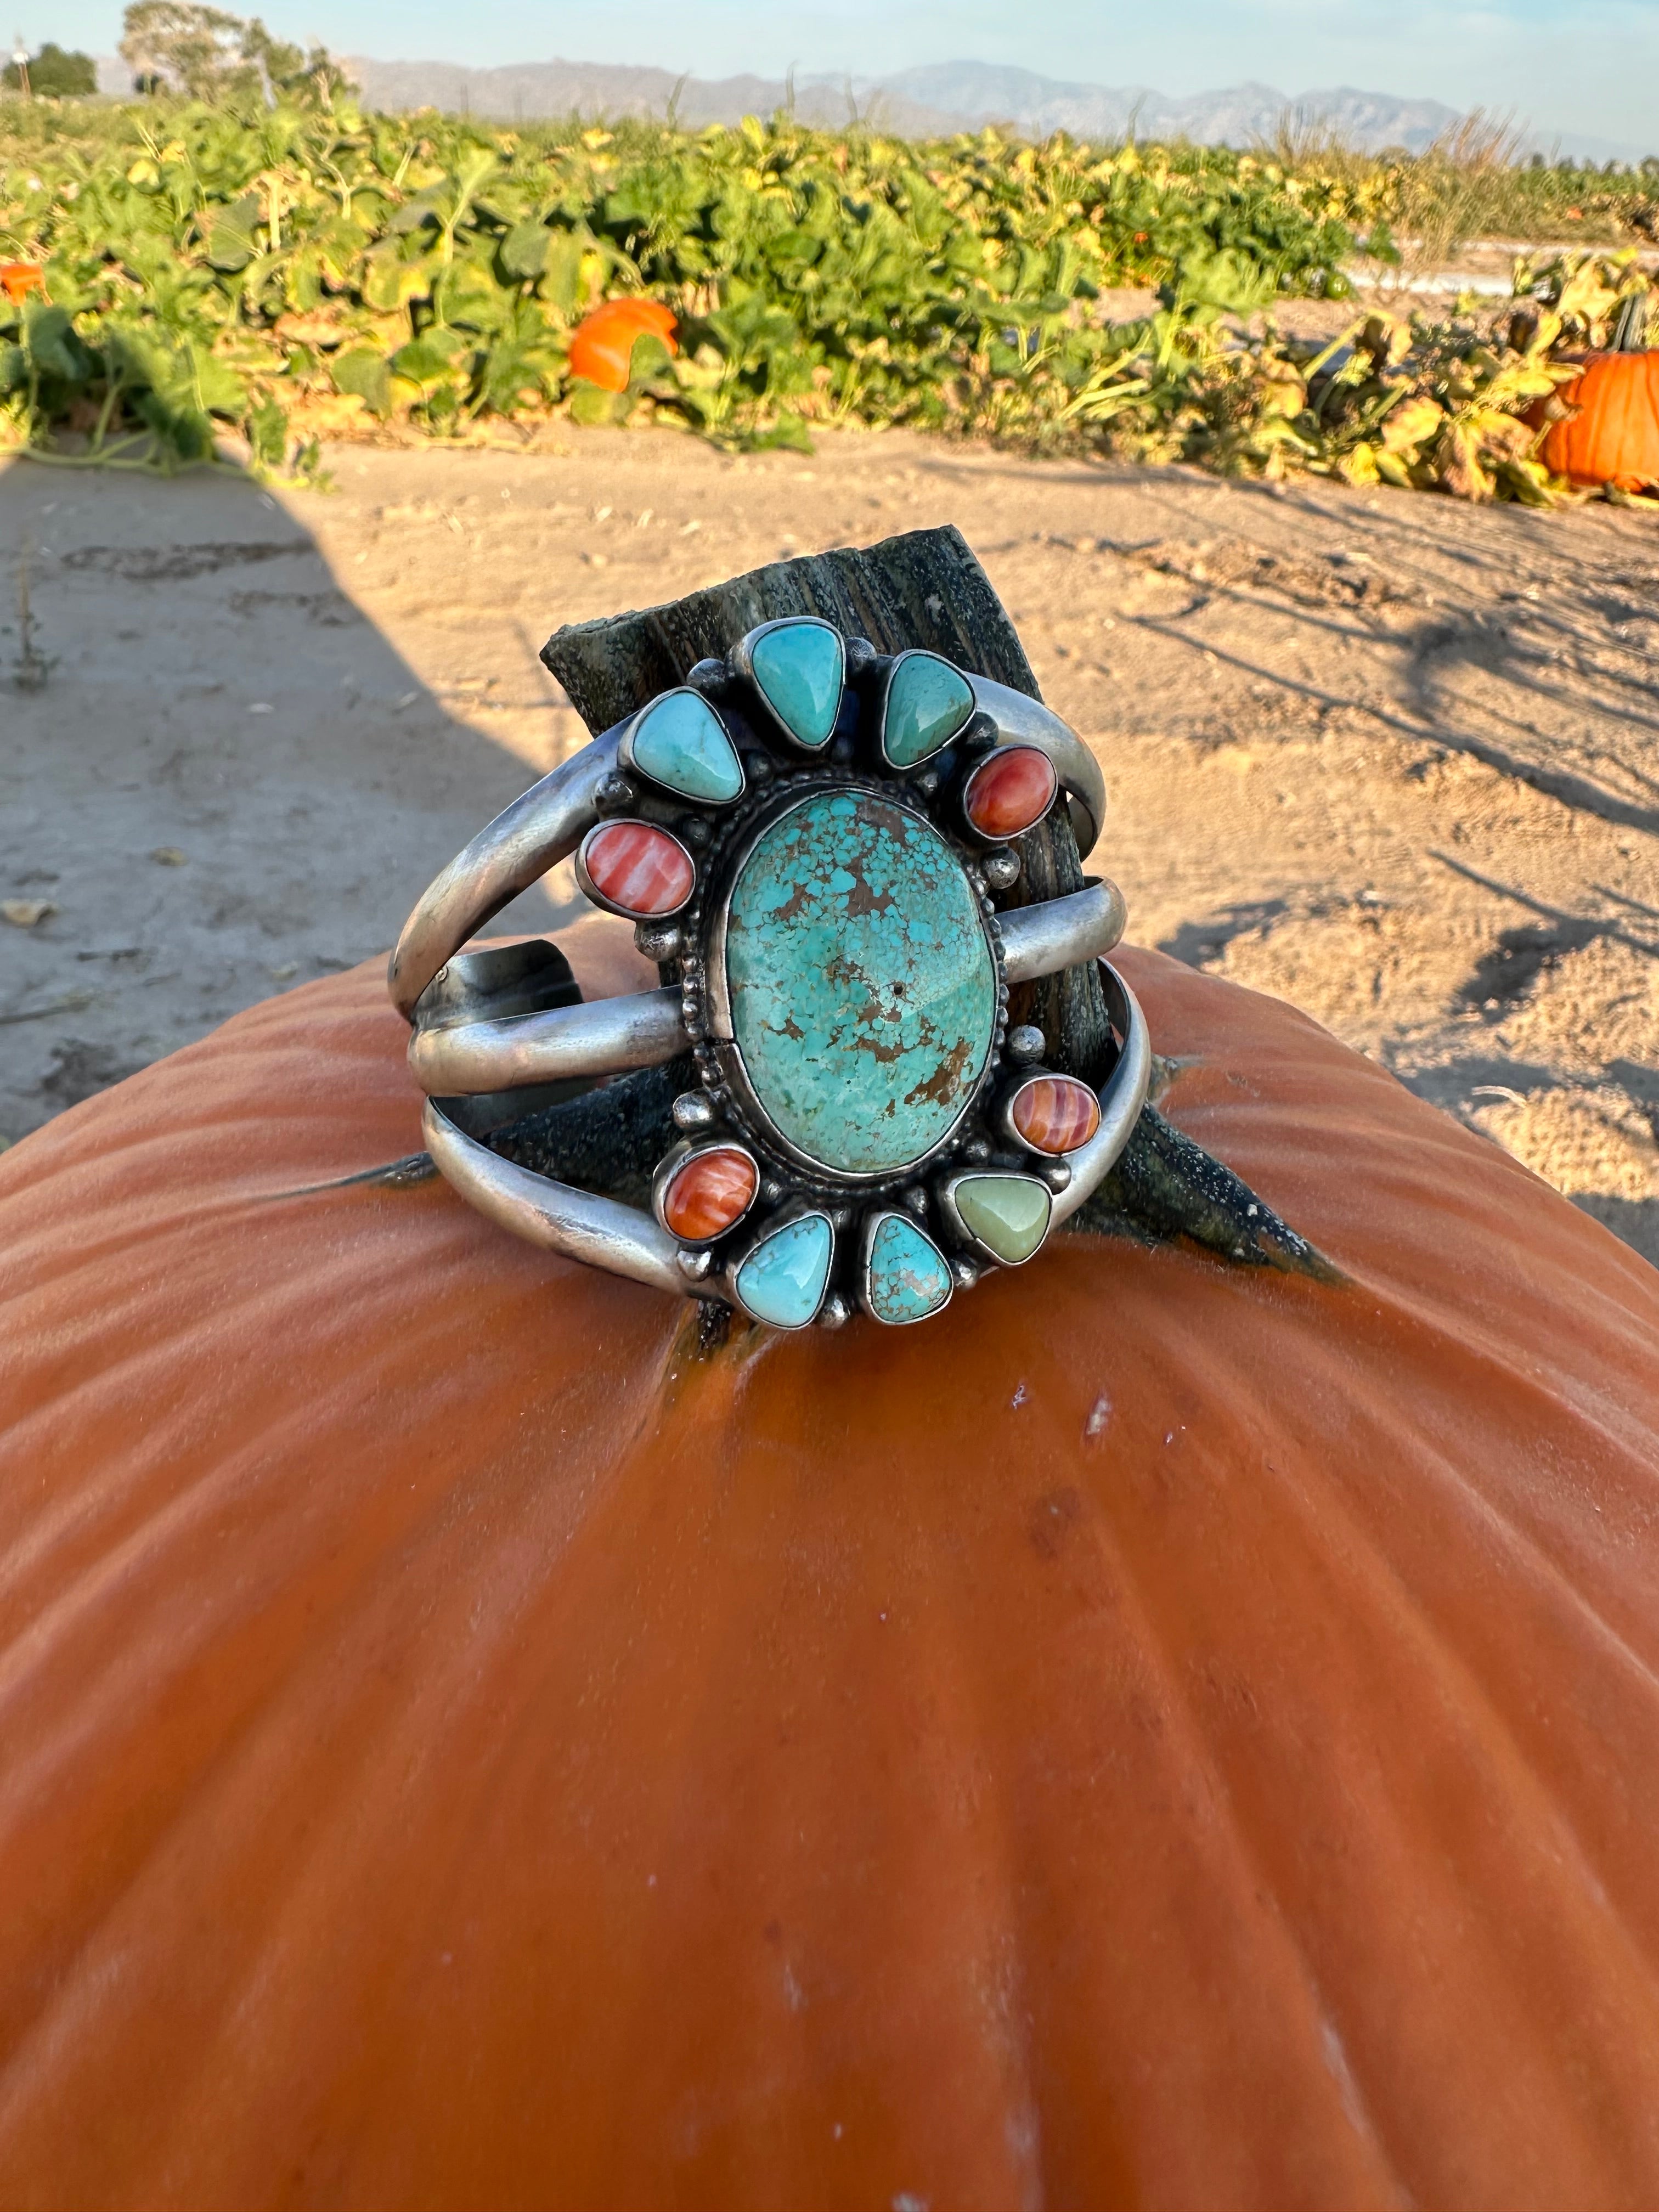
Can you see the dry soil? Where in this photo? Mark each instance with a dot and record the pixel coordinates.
(1394, 758)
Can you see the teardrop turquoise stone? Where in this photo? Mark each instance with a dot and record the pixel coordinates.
(909, 1277)
(783, 1280)
(680, 742)
(800, 668)
(928, 703)
(1008, 1213)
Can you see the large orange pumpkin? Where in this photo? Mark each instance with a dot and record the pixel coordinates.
(601, 344)
(1169, 1734)
(1612, 437)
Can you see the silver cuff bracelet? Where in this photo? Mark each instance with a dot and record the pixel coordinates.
(812, 839)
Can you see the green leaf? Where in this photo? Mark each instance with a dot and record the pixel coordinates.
(648, 358)
(523, 252)
(391, 283)
(217, 385)
(562, 276)
(267, 433)
(232, 243)
(593, 408)
(366, 373)
(427, 359)
(14, 367)
(52, 346)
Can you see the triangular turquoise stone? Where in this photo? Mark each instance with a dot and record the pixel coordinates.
(1008, 1213)
(783, 1280)
(909, 1276)
(799, 668)
(928, 703)
(680, 742)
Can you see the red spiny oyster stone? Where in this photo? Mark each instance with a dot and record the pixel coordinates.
(1010, 791)
(639, 870)
(707, 1191)
(1055, 1113)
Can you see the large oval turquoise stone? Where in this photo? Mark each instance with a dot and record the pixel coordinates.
(680, 742)
(783, 1280)
(799, 667)
(927, 702)
(908, 1276)
(862, 989)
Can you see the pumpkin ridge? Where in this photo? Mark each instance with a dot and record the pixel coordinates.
(1380, 2169)
(1495, 1750)
(353, 1793)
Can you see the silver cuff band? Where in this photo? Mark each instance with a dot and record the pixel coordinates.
(549, 822)
(812, 840)
(604, 1233)
(612, 1035)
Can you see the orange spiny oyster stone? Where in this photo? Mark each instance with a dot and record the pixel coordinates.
(1055, 1113)
(639, 870)
(1010, 791)
(707, 1191)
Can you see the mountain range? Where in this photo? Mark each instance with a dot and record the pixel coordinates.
(932, 101)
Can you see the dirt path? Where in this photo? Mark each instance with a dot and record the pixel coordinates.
(1392, 758)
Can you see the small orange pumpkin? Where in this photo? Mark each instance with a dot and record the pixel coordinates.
(1168, 1735)
(1613, 435)
(601, 344)
(19, 278)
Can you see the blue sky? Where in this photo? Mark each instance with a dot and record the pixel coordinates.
(1579, 65)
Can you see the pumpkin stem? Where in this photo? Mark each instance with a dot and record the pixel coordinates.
(1630, 325)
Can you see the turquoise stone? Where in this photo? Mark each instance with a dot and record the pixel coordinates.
(928, 703)
(799, 668)
(1008, 1213)
(680, 742)
(909, 1276)
(862, 990)
(783, 1281)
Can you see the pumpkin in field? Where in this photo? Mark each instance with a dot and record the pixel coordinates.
(601, 344)
(1612, 436)
(19, 278)
(1182, 1735)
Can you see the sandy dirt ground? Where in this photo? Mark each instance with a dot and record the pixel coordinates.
(1391, 757)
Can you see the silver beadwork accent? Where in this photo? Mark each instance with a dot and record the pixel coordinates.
(502, 1019)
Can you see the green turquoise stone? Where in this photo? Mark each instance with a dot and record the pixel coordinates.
(799, 667)
(680, 742)
(862, 990)
(928, 703)
(783, 1281)
(1008, 1213)
(909, 1277)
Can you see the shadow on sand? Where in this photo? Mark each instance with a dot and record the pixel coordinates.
(217, 779)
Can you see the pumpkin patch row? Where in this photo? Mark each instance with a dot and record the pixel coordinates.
(176, 273)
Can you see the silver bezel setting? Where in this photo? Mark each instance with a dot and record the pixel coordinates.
(872, 1226)
(666, 791)
(675, 1159)
(966, 1238)
(743, 664)
(916, 767)
(763, 1233)
(592, 891)
(711, 1026)
(1004, 1114)
(486, 1045)
(990, 839)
